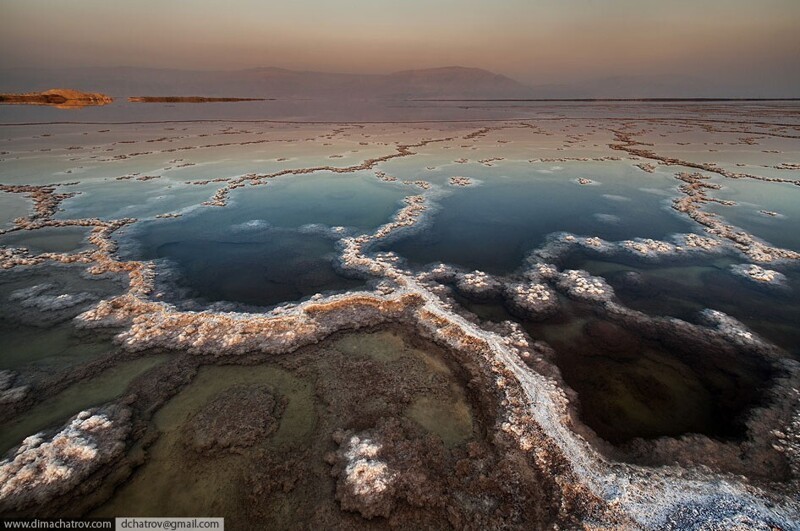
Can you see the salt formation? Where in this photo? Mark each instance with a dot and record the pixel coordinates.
(460, 181)
(534, 301)
(8, 391)
(582, 285)
(645, 249)
(35, 297)
(366, 483)
(44, 468)
(759, 275)
(478, 284)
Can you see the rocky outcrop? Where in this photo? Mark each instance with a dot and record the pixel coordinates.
(58, 97)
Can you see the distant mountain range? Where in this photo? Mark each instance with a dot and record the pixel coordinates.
(435, 83)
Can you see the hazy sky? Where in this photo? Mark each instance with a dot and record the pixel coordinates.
(535, 41)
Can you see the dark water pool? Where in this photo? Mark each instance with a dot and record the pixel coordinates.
(491, 227)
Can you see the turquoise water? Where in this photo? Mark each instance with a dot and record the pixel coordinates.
(752, 197)
(125, 199)
(12, 206)
(353, 200)
(262, 270)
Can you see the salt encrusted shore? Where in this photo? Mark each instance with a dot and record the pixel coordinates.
(43, 469)
(714, 484)
(759, 275)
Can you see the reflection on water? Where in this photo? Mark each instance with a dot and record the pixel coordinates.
(631, 386)
(493, 226)
(262, 270)
(48, 239)
(252, 251)
(684, 290)
(36, 329)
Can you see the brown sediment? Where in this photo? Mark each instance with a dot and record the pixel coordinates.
(217, 180)
(138, 178)
(477, 134)
(237, 418)
(425, 185)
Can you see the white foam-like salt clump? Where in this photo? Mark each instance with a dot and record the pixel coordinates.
(43, 468)
(759, 274)
(642, 248)
(478, 284)
(581, 285)
(367, 478)
(648, 248)
(541, 271)
(533, 299)
(35, 297)
(733, 329)
(461, 181)
(440, 273)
